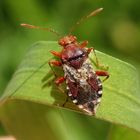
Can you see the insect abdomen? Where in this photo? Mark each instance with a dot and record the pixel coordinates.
(84, 87)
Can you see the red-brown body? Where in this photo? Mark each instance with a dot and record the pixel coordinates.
(83, 84)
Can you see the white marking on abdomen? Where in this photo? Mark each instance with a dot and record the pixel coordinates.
(80, 106)
(74, 101)
(100, 92)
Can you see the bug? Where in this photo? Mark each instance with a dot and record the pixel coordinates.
(84, 86)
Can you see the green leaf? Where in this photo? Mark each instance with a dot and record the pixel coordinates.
(32, 121)
(25, 93)
(122, 133)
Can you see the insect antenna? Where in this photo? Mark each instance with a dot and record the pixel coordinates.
(41, 28)
(93, 13)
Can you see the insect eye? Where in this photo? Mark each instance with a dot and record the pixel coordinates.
(61, 42)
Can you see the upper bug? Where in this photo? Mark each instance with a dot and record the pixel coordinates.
(84, 87)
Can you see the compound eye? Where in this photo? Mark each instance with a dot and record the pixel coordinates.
(61, 42)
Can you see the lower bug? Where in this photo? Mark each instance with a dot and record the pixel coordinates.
(84, 86)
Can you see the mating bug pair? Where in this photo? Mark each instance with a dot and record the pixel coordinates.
(84, 87)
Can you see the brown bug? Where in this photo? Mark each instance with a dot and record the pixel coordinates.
(84, 87)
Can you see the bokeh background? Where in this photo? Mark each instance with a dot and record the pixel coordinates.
(115, 31)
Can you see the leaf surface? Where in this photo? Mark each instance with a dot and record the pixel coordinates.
(120, 101)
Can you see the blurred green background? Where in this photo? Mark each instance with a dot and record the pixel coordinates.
(115, 31)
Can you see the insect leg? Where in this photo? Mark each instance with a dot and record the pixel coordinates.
(58, 54)
(83, 44)
(55, 63)
(103, 73)
(96, 62)
(96, 59)
(59, 81)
